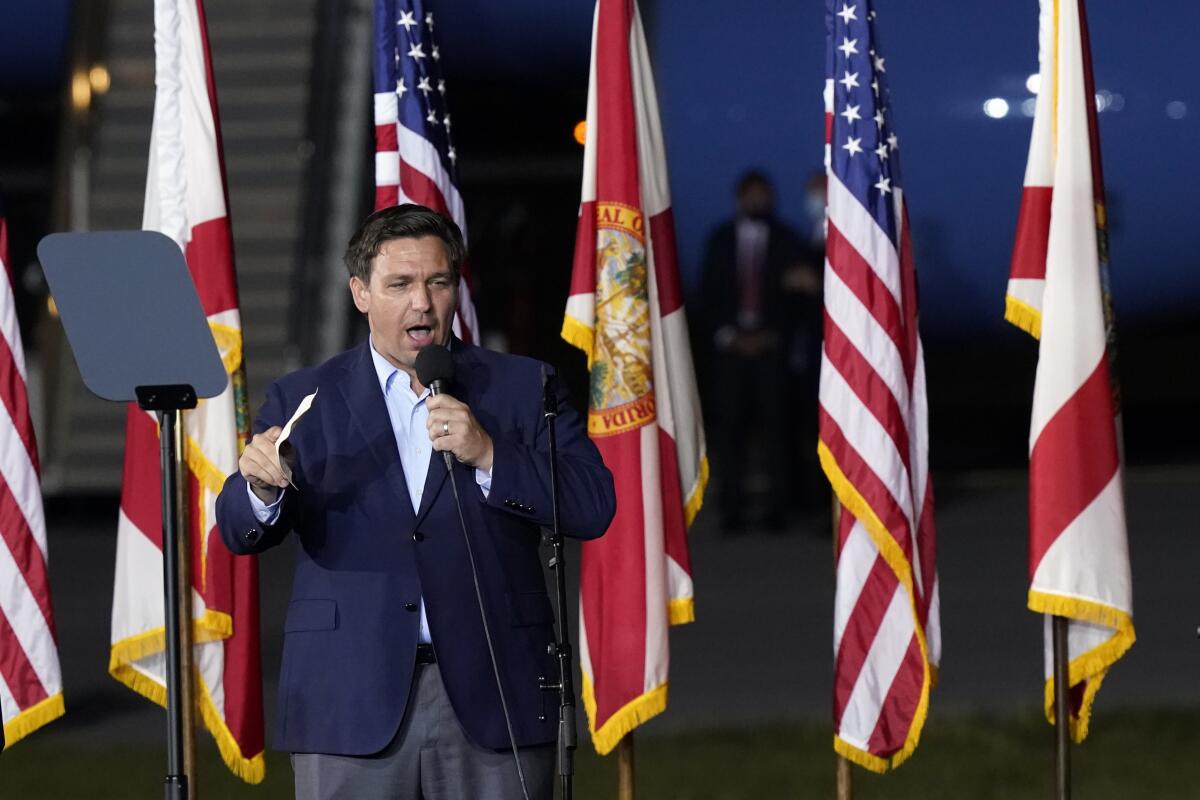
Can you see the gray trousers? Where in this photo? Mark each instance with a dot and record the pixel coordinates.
(430, 759)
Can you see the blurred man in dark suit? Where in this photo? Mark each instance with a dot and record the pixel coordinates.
(756, 294)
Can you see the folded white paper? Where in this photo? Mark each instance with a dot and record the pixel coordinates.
(303, 408)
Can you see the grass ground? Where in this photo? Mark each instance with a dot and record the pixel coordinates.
(1151, 754)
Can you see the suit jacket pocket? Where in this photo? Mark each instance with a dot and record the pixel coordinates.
(311, 615)
(529, 608)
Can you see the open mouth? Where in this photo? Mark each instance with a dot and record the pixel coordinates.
(420, 334)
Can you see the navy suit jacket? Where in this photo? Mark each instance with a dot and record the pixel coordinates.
(719, 293)
(365, 559)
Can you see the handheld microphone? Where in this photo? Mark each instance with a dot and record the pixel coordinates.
(435, 369)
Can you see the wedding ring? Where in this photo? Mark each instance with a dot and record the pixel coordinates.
(445, 429)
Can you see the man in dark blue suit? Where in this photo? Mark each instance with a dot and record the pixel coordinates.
(758, 317)
(387, 687)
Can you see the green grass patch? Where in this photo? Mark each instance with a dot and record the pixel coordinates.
(1147, 754)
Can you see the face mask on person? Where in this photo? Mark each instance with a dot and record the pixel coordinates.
(814, 206)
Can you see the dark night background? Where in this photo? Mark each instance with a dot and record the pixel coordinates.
(741, 87)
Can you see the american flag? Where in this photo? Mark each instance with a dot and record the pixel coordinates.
(30, 680)
(873, 416)
(1057, 291)
(415, 161)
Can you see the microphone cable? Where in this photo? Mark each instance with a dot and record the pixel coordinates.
(435, 369)
(487, 633)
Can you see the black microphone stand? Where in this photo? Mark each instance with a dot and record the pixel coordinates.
(567, 737)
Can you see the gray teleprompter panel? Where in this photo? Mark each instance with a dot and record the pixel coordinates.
(131, 313)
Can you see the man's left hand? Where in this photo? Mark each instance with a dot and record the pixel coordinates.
(452, 427)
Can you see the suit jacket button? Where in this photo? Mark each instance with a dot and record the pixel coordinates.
(410, 606)
(418, 536)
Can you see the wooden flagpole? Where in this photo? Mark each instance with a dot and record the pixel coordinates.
(845, 784)
(625, 767)
(1062, 720)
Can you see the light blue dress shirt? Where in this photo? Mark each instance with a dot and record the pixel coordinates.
(409, 416)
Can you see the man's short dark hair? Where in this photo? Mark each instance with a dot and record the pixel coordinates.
(753, 177)
(407, 221)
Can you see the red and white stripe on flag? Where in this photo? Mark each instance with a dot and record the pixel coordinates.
(873, 417)
(186, 200)
(414, 155)
(30, 679)
(1078, 552)
(1027, 273)
(625, 310)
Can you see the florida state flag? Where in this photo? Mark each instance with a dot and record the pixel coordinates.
(1058, 292)
(185, 199)
(625, 311)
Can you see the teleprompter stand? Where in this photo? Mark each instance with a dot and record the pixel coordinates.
(167, 402)
(138, 332)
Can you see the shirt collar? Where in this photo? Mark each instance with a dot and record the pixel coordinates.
(750, 226)
(388, 373)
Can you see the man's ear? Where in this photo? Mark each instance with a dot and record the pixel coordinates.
(360, 294)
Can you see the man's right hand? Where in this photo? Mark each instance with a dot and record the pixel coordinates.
(260, 465)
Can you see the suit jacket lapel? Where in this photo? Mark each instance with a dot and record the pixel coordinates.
(364, 399)
(435, 479)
